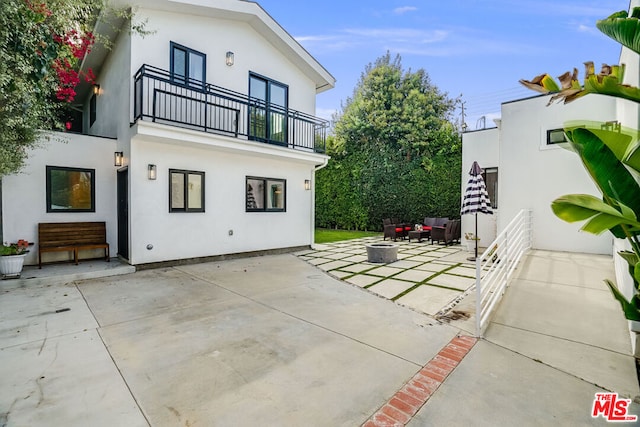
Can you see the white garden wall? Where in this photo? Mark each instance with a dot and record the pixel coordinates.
(24, 194)
(482, 146)
(533, 174)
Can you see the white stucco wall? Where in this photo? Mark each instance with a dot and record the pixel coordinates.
(24, 194)
(185, 235)
(482, 146)
(533, 174)
(214, 37)
(113, 114)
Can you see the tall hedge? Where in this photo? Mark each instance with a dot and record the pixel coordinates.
(395, 152)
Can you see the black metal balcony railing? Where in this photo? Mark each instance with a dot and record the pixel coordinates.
(202, 106)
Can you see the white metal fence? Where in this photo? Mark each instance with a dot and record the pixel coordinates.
(495, 266)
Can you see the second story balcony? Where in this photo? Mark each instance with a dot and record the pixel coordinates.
(196, 105)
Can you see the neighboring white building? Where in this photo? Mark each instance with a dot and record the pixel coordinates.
(213, 113)
(532, 170)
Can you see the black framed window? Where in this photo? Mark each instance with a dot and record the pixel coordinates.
(556, 136)
(490, 176)
(188, 66)
(268, 111)
(186, 191)
(266, 194)
(70, 189)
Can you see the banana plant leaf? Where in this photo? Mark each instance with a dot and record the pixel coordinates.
(622, 28)
(599, 215)
(623, 142)
(610, 85)
(609, 174)
(631, 308)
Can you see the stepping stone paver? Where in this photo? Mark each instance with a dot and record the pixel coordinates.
(390, 288)
(457, 282)
(333, 265)
(384, 271)
(428, 299)
(414, 275)
(363, 280)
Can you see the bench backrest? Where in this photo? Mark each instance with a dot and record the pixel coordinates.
(71, 233)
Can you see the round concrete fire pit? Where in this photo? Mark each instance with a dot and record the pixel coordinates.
(382, 252)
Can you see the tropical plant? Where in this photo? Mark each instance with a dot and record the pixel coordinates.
(610, 154)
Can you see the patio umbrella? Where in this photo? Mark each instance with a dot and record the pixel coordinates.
(476, 198)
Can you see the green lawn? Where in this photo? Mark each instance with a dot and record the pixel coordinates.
(327, 236)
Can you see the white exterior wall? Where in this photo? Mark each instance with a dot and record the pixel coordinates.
(214, 37)
(532, 174)
(24, 194)
(482, 146)
(113, 111)
(177, 235)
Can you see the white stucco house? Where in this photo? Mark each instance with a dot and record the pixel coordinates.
(198, 140)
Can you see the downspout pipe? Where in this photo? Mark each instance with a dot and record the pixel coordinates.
(312, 218)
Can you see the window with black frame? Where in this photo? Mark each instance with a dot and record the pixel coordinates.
(268, 111)
(266, 194)
(490, 176)
(556, 136)
(186, 191)
(70, 189)
(188, 66)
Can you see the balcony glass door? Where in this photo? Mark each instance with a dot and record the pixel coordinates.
(268, 111)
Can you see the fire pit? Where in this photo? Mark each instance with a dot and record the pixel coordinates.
(382, 252)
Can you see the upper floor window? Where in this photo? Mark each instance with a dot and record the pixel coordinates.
(556, 136)
(268, 111)
(188, 66)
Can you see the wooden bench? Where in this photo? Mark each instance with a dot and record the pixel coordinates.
(71, 237)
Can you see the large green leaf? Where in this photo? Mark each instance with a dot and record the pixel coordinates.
(631, 308)
(609, 174)
(623, 142)
(622, 28)
(599, 215)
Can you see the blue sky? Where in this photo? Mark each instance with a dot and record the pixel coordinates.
(477, 48)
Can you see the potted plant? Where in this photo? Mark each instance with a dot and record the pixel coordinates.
(12, 258)
(471, 241)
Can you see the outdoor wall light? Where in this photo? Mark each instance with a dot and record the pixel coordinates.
(96, 89)
(118, 158)
(151, 171)
(229, 58)
(307, 184)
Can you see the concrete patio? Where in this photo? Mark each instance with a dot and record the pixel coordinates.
(275, 340)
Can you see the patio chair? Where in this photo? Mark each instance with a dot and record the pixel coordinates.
(449, 233)
(429, 222)
(394, 229)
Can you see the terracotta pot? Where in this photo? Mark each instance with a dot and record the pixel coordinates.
(11, 265)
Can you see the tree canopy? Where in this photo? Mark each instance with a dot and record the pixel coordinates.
(395, 153)
(41, 45)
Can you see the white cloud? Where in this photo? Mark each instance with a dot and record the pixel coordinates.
(404, 9)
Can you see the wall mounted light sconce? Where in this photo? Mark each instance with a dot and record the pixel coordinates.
(307, 184)
(118, 158)
(151, 172)
(96, 89)
(229, 59)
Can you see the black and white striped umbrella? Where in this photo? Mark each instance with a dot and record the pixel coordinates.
(476, 199)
